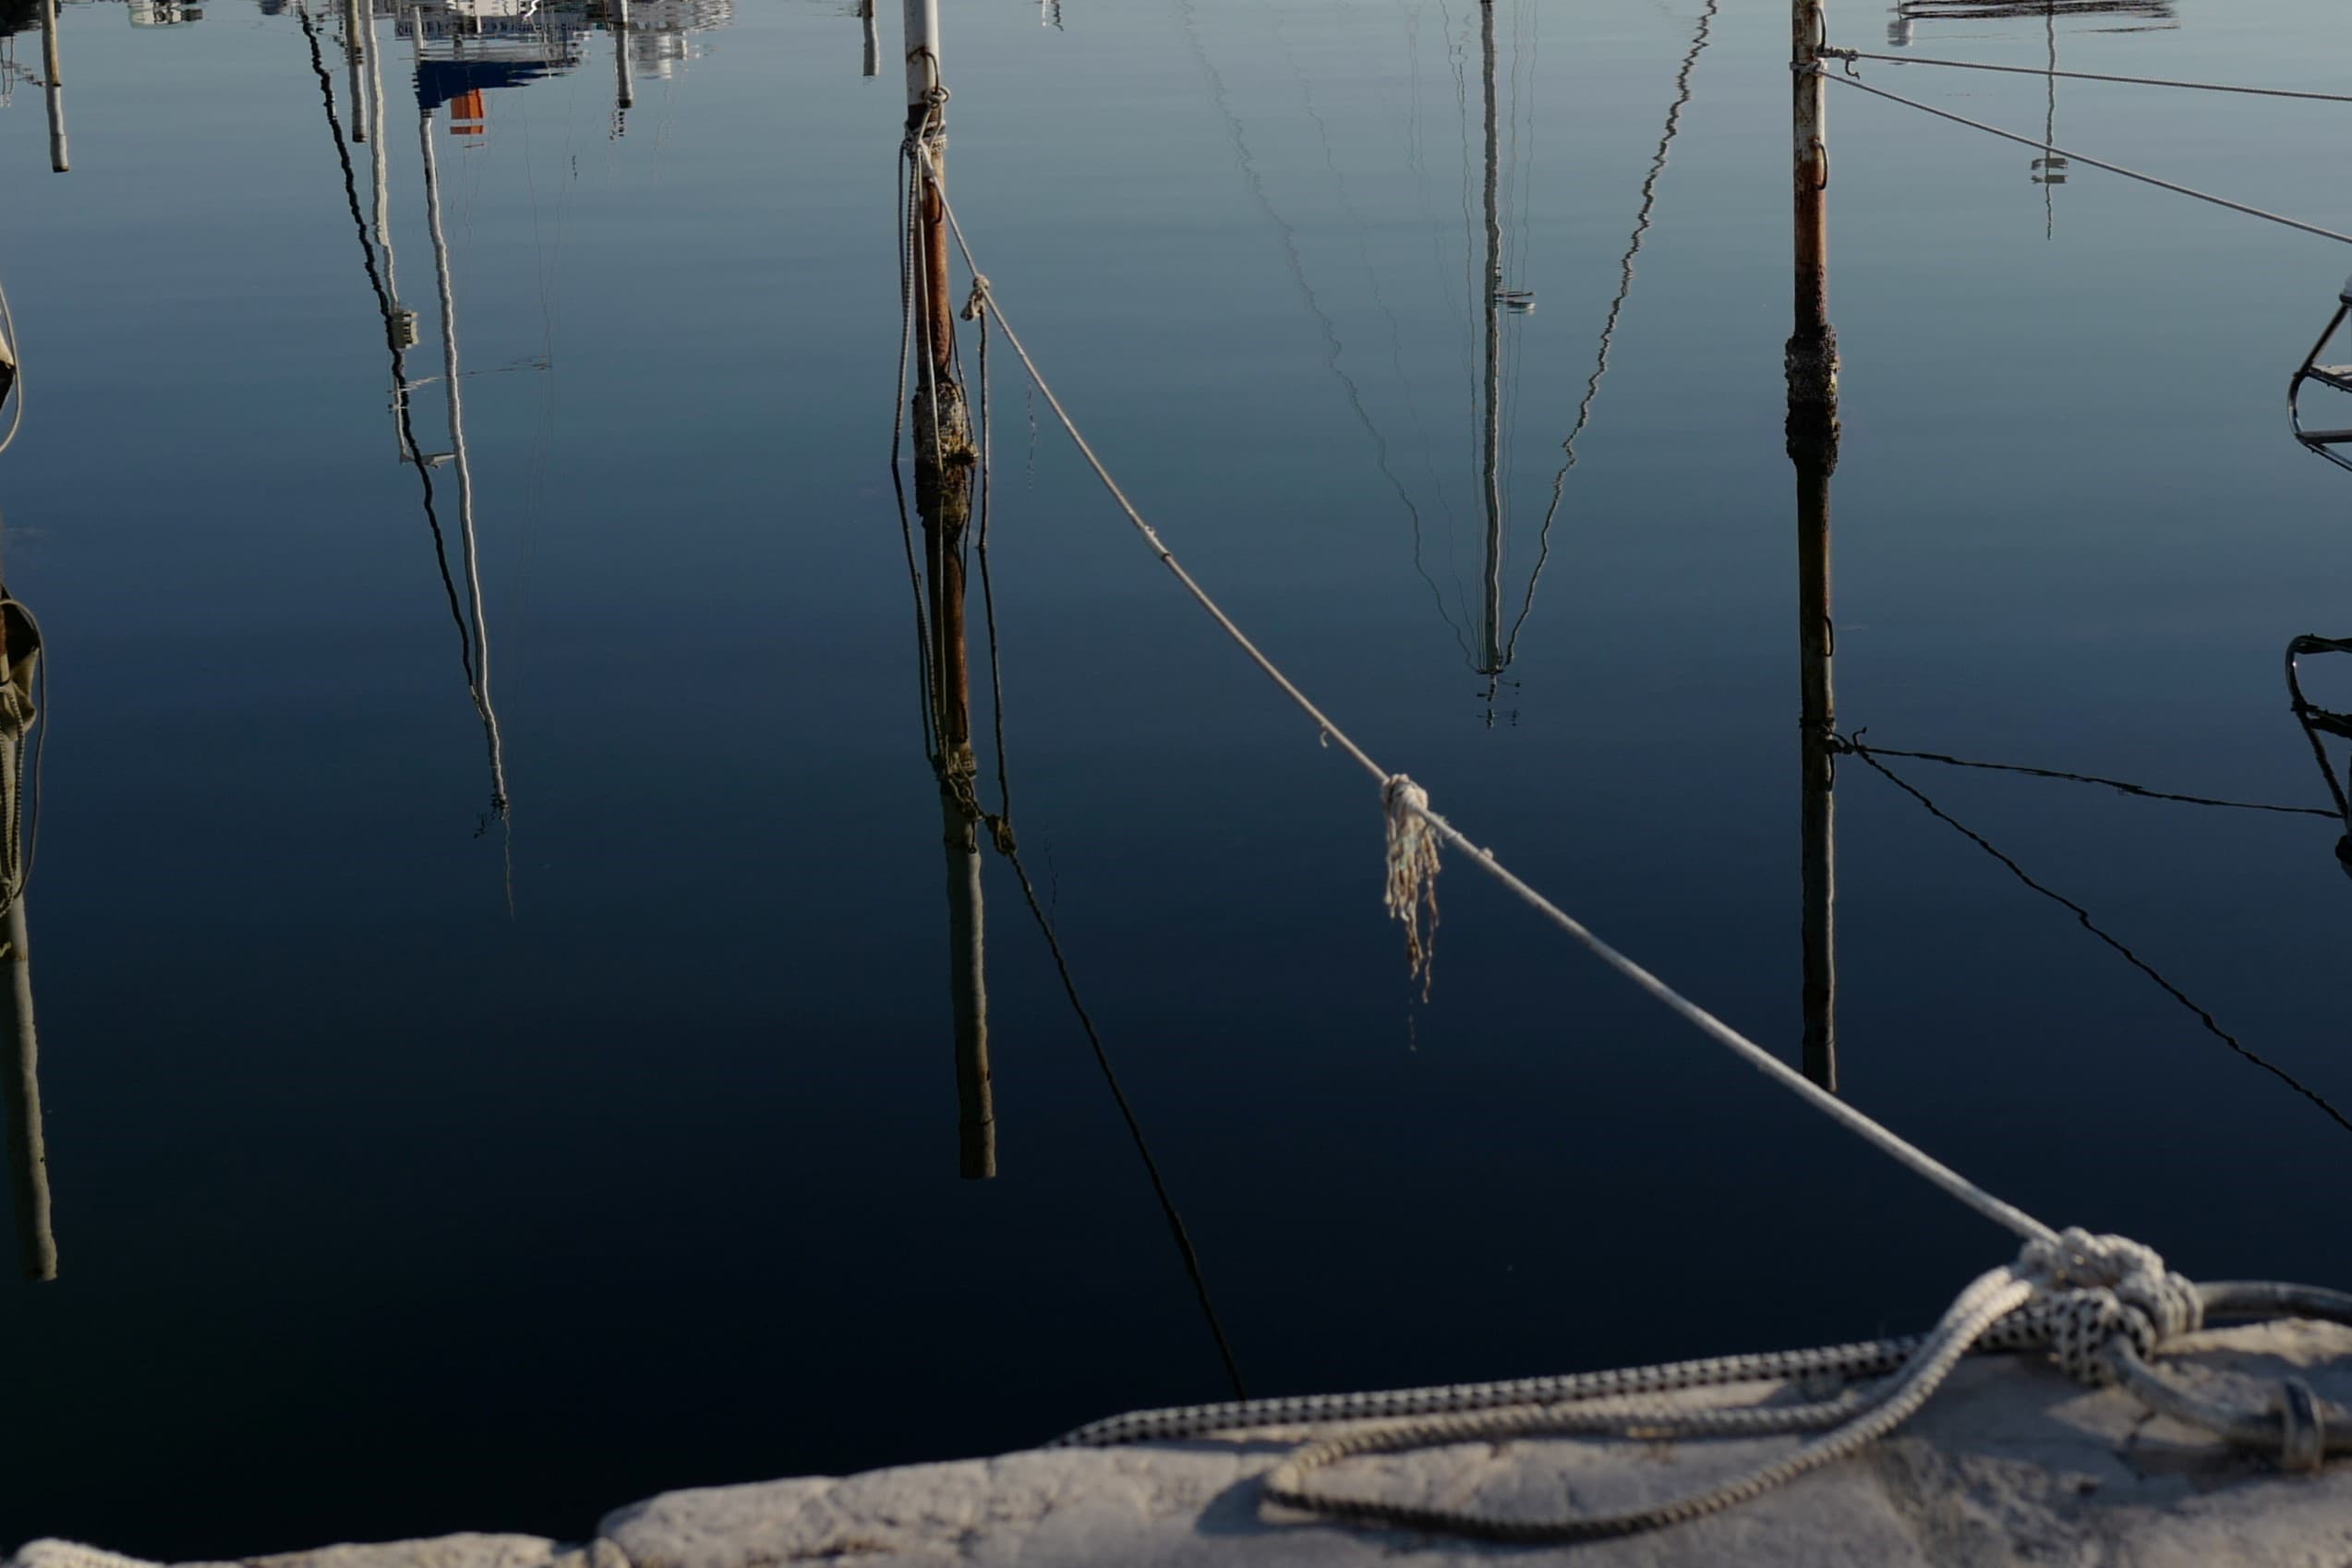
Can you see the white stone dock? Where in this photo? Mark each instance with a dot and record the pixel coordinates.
(2009, 1465)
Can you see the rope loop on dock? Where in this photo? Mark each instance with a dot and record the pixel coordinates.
(2104, 1307)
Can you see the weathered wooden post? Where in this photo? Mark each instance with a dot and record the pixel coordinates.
(943, 462)
(21, 1081)
(53, 87)
(1812, 434)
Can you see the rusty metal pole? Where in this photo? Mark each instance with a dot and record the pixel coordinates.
(1811, 435)
(944, 465)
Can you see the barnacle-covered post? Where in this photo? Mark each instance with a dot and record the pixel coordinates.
(1812, 364)
(943, 466)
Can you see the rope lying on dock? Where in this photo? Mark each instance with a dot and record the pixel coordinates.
(2041, 145)
(2104, 1305)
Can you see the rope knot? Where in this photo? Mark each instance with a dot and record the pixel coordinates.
(977, 301)
(2105, 1288)
(1412, 869)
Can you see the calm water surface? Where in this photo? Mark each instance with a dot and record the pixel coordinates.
(419, 1171)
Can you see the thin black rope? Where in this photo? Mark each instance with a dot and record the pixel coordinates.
(2084, 76)
(1001, 832)
(1127, 1113)
(2083, 917)
(1860, 86)
(1855, 745)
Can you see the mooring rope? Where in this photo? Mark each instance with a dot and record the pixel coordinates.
(2041, 145)
(2083, 75)
(1406, 806)
(2104, 1305)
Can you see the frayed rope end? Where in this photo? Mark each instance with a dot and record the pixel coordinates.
(1412, 871)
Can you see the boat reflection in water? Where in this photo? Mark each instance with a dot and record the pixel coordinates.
(2135, 15)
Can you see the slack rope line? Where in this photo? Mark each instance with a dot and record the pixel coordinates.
(1405, 801)
(2039, 145)
(2083, 917)
(1855, 745)
(2084, 76)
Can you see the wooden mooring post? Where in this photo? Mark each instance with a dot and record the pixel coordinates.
(53, 87)
(1811, 435)
(943, 466)
(20, 1079)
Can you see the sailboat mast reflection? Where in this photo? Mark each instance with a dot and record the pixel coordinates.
(374, 233)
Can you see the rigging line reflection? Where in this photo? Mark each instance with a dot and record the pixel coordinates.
(2083, 917)
(2050, 169)
(453, 392)
(1009, 847)
(1642, 219)
(2124, 786)
(1246, 163)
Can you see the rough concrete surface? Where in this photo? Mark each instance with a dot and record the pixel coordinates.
(2011, 1465)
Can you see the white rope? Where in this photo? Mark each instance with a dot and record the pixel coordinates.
(2084, 76)
(2041, 145)
(1400, 795)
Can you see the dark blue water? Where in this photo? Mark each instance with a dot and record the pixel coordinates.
(416, 1170)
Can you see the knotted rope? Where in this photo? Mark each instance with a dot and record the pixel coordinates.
(2104, 1307)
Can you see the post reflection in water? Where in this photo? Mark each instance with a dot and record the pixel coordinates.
(28, 1148)
(944, 464)
(20, 682)
(1812, 434)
